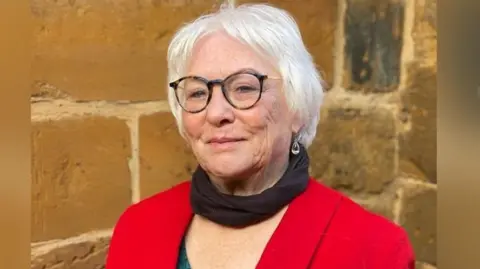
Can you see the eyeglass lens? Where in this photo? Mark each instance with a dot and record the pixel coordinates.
(240, 90)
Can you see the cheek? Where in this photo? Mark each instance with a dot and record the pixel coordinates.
(277, 119)
(276, 111)
(266, 116)
(255, 120)
(192, 126)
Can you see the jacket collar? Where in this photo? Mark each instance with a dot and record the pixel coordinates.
(293, 243)
(301, 230)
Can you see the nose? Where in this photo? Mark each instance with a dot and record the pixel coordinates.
(219, 111)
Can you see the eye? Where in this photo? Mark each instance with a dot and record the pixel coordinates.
(198, 93)
(246, 88)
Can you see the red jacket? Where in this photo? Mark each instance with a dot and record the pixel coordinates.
(321, 229)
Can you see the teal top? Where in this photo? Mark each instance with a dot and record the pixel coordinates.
(183, 262)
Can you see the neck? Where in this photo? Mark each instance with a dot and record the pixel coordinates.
(253, 183)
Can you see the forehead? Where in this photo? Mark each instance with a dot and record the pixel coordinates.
(218, 55)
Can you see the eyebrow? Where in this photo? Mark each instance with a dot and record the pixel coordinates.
(245, 69)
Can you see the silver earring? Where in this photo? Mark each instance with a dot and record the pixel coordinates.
(295, 147)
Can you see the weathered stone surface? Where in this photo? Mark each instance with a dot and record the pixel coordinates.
(373, 45)
(355, 146)
(79, 255)
(81, 179)
(165, 159)
(106, 50)
(317, 21)
(424, 33)
(381, 204)
(419, 217)
(422, 265)
(419, 144)
(410, 170)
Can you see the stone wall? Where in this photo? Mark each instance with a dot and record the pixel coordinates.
(103, 137)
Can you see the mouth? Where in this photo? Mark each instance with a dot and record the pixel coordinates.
(224, 140)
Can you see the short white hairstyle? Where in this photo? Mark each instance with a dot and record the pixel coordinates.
(274, 34)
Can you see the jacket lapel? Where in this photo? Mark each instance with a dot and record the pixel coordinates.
(301, 230)
(171, 226)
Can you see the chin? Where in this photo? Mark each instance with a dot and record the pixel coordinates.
(224, 165)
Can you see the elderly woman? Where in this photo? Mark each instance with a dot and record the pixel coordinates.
(246, 96)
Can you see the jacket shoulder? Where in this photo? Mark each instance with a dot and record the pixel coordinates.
(147, 223)
(165, 203)
(169, 199)
(377, 240)
(352, 215)
(385, 243)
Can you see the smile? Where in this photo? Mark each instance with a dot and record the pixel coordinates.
(224, 143)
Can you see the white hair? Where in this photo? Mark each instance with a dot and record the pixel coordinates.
(274, 34)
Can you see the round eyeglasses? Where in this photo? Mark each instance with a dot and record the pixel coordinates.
(242, 90)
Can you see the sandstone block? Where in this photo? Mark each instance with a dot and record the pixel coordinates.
(106, 50)
(317, 20)
(355, 146)
(418, 216)
(373, 45)
(424, 33)
(409, 170)
(165, 159)
(419, 143)
(81, 179)
(421, 265)
(382, 204)
(76, 255)
(379, 204)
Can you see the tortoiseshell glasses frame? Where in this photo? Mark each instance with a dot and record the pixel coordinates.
(242, 90)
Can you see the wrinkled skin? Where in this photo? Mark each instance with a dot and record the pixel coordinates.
(258, 161)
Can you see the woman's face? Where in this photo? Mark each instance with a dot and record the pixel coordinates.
(233, 143)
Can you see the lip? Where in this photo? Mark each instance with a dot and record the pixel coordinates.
(224, 140)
